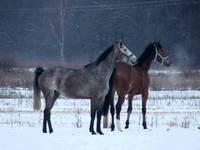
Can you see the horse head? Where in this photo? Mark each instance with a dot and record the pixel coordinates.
(160, 55)
(123, 54)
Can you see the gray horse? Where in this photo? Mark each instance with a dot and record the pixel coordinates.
(90, 82)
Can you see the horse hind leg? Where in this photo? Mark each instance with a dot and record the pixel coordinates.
(49, 121)
(99, 112)
(44, 128)
(50, 100)
(109, 101)
(47, 116)
(129, 110)
(118, 110)
(105, 111)
(105, 121)
(112, 111)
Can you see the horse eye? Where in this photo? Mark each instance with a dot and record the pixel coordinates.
(124, 49)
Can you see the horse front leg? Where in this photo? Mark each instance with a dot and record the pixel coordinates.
(99, 112)
(92, 115)
(144, 102)
(129, 110)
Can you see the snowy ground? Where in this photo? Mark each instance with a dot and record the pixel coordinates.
(69, 138)
(172, 108)
(172, 118)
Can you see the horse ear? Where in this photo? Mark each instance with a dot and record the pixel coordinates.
(119, 43)
(157, 40)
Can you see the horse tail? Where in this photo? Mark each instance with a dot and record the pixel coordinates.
(108, 101)
(36, 89)
(108, 97)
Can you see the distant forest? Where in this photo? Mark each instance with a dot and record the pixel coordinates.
(75, 32)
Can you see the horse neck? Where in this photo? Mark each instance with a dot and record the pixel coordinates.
(146, 64)
(106, 67)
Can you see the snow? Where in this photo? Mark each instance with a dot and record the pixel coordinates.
(179, 108)
(172, 119)
(31, 138)
(20, 99)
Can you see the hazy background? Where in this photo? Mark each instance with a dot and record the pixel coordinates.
(75, 32)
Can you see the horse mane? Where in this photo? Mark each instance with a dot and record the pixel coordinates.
(88, 65)
(102, 57)
(149, 50)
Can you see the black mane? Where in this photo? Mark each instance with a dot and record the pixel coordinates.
(88, 65)
(149, 50)
(101, 57)
(104, 55)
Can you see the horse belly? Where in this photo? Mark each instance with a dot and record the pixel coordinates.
(75, 92)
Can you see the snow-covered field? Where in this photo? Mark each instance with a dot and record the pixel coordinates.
(173, 108)
(172, 118)
(69, 138)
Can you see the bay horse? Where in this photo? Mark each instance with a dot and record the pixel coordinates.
(91, 82)
(133, 80)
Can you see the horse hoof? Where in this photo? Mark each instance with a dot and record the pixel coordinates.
(144, 125)
(51, 131)
(100, 132)
(44, 131)
(93, 133)
(126, 124)
(112, 127)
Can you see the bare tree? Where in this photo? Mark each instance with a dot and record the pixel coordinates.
(62, 22)
(60, 38)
